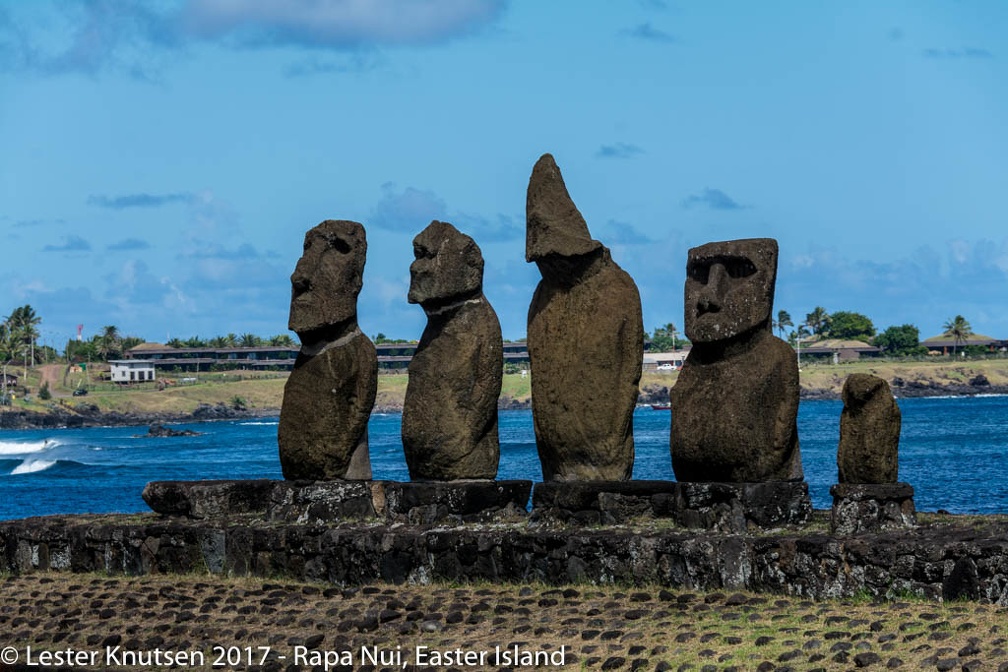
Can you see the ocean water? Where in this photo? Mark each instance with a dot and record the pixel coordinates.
(954, 451)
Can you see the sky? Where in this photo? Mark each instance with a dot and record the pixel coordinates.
(160, 162)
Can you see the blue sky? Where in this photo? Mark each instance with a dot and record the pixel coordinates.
(161, 161)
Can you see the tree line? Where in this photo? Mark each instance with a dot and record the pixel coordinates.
(898, 341)
(19, 334)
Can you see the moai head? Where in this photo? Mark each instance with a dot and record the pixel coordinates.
(556, 235)
(448, 264)
(328, 276)
(729, 288)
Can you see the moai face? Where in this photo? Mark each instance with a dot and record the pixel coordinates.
(729, 288)
(328, 276)
(448, 264)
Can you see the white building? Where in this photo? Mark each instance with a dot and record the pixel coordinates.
(132, 370)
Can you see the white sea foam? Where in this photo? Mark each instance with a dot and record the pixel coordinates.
(260, 424)
(32, 466)
(25, 447)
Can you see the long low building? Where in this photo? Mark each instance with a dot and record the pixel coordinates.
(391, 356)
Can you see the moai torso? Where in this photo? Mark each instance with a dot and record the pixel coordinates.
(331, 390)
(585, 341)
(449, 425)
(735, 404)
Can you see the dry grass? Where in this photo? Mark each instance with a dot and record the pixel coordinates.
(599, 627)
(264, 391)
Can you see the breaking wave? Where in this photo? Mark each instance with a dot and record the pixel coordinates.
(26, 447)
(32, 466)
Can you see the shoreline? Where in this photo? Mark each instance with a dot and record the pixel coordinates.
(91, 416)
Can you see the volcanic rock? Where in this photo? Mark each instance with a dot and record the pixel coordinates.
(449, 423)
(869, 431)
(331, 390)
(735, 404)
(585, 340)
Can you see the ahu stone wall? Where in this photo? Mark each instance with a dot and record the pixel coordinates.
(939, 560)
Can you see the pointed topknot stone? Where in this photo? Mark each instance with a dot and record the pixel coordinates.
(553, 223)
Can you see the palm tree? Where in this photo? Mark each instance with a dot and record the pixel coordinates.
(23, 322)
(282, 341)
(818, 321)
(250, 341)
(108, 342)
(799, 333)
(176, 343)
(782, 322)
(959, 329)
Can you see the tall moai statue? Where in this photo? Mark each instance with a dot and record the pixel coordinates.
(449, 422)
(331, 390)
(585, 340)
(735, 404)
(869, 432)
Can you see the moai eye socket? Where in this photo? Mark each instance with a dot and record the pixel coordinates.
(739, 267)
(338, 244)
(698, 271)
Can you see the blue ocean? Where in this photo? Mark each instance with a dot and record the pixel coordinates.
(954, 451)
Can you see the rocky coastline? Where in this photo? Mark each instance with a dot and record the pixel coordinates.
(89, 415)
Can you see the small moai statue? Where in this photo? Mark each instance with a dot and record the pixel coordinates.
(869, 432)
(331, 390)
(449, 422)
(735, 404)
(585, 340)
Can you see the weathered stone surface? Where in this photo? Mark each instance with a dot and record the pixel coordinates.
(208, 499)
(869, 432)
(585, 341)
(735, 404)
(952, 558)
(428, 503)
(449, 422)
(331, 502)
(869, 507)
(331, 390)
(725, 507)
(319, 502)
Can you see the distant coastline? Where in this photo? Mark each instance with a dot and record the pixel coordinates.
(216, 401)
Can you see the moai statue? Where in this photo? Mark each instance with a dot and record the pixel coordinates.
(585, 340)
(735, 405)
(331, 390)
(449, 422)
(869, 432)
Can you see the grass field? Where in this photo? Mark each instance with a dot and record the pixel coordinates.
(263, 391)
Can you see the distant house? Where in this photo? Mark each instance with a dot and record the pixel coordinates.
(944, 345)
(653, 360)
(839, 350)
(8, 380)
(167, 358)
(131, 370)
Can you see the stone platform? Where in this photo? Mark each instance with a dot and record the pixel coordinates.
(868, 507)
(944, 557)
(323, 502)
(723, 507)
